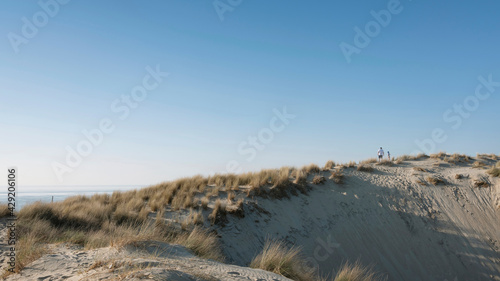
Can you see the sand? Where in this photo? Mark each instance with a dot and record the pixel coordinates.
(386, 218)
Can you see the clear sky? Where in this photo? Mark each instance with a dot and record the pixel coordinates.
(410, 68)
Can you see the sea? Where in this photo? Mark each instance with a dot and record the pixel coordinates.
(30, 194)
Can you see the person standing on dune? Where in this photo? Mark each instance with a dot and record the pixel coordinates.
(388, 155)
(380, 154)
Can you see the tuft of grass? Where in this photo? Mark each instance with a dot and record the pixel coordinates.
(204, 202)
(202, 243)
(281, 178)
(421, 182)
(351, 164)
(385, 163)
(4, 211)
(439, 155)
(318, 179)
(419, 169)
(300, 177)
(402, 158)
(356, 272)
(277, 258)
(478, 164)
(459, 176)
(230, 196)
(329, 165)
(365, 168)
(435, 180)
(218, 211)
(337, 177)
(194, 218)
(369, 161)
(311, 168)
(494, 171)
(481, 183)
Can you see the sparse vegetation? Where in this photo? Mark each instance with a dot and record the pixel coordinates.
(202, 243)
(495, 170)
(457, 158)
(385, 162)
(419, 169)
(318, 179)
(435, 180)
(218, 211)
(311, 168)
(351, 164)
(421, 182)
(4, 211)
(277, 258)
(439, 155)
(329, 165)
(96, 221)
(369, 161)
(355, 272)
(402, 158)
(337, 177)
(300, 177)
(478, 164)
(365, 168)
(481, 183)
(204, 202)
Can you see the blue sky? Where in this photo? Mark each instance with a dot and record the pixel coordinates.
(227, 77)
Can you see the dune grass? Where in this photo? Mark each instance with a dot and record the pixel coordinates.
(329, 165)
(337, 177)
(481, 183)
(494, 171)
(385, 162)
(479, 165)
(318, 179)
(277, 258)
(356, 272)
(97, 221)
(419, 169)
(4, 211)
(369, 161)
(439, 155)
(202, 243)
(402, 158)
(311, 168)
(365, 168)
(435, 180)
(300, 176)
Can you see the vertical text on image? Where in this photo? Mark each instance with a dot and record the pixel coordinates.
(11, 220)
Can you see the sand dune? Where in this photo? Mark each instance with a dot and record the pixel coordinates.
(409, 231)
(392, 218)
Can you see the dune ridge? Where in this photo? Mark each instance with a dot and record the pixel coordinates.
(411, 218)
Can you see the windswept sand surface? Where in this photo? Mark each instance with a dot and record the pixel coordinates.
(406, 230)
(386, 218)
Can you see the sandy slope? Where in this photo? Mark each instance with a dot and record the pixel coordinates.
(406, 230)
(147, 260)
